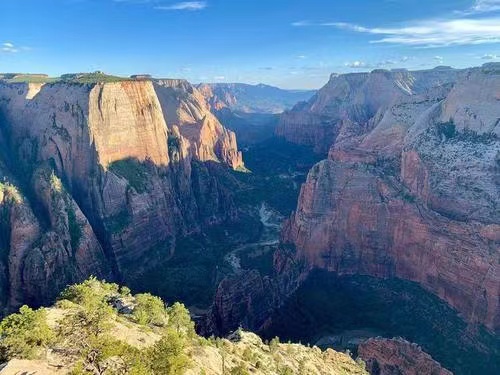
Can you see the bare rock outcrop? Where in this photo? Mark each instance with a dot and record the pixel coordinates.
(398, 356)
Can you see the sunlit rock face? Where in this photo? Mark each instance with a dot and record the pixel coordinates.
(410, 188)
(107, 176)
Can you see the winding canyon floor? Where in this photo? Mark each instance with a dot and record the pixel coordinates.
(265, 196)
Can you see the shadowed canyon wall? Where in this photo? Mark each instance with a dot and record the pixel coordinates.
(98, 179)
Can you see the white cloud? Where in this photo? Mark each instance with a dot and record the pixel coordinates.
(302, 57)
(438, 58)
(185, 5)
(479, 24)
(356, 64)
(8, 48)
(219, 78)
(301, 23)
(434, 33)
(484, 6)
(490, 56)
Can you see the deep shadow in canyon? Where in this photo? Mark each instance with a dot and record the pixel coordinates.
(340, 311)
(201, 261)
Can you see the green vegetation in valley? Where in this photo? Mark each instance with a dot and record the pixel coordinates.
(75, 231)
(326, 305)
(197, 265)
(278, 169)
(98, 328)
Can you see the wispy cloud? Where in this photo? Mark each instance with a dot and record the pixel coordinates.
(433, 33)
(301, 23)
(479, 24)
(185, 5)
(357, 64)
(9, 48)
(482, 6)
(490, 56)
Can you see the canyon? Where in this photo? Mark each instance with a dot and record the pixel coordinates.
(94, 181)
(381, 188)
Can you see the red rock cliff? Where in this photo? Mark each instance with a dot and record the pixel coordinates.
(102, 162)
(412, 191)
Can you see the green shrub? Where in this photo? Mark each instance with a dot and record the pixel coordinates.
(92, 312)
(135, 172)
(447, 129)
(25, 334)
(149, 309)
(167, 356)
(239, 370)
(75, 231)
(180, 320)
(90, 293)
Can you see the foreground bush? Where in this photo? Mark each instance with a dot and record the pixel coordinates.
(24, 335)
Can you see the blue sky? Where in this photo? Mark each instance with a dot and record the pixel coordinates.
(288, 43)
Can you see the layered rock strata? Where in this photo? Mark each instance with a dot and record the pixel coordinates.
(410, 186)
(107, 176)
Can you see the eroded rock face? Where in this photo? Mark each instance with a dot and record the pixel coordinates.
(398, 356)
(351, 104)
(186, 109)
(410, 187)
(111, 183)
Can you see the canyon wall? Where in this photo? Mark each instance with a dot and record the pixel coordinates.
(102, 178)
(410, 188)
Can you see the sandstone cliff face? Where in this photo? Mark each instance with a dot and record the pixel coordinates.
(125, 182)
(414, 192)
(42, 254)
(398, 356)
(352, 103)
(186, 109)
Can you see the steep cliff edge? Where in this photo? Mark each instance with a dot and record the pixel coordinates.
(99, 161)
(410, 187)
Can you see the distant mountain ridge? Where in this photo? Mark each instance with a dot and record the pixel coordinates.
(248, 98)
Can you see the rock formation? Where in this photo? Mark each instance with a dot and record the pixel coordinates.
(351, 104)
(101, 178)
(245, 98)
(410, 186)
(398, 356)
